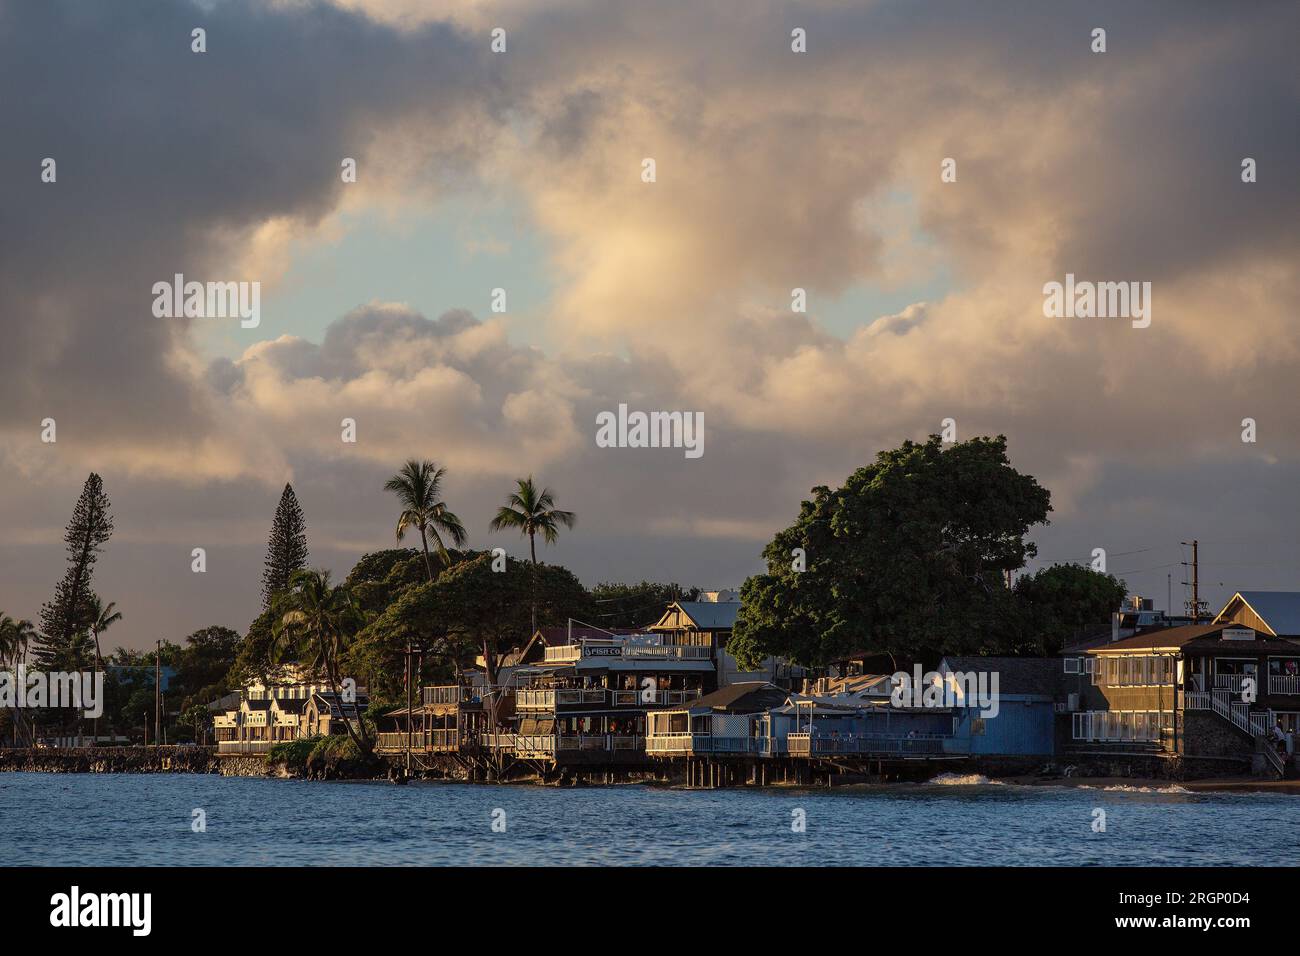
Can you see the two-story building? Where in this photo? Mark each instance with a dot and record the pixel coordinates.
(1200, 692)
(288, 705)
(708, 623)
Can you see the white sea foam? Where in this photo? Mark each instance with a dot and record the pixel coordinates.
(1125, 788)
(965, 780)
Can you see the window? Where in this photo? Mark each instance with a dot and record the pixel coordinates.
(1072, 665)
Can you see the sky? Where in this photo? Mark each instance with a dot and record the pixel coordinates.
(522, 170)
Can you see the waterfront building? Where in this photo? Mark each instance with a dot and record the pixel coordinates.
(708, 623)
(1215, 694)
(289, 704)
(1023, 722)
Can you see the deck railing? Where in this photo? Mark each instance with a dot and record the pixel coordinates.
(1281, 684)
(547, 745)
(1275, 761)
(1232, 682)
(437, 739)
(447, 694)
(246, 746)
(658, 698)
(796, 745)
(569, 653)
(548, 700)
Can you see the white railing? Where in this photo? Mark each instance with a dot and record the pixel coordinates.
(1275, 760)
(1280, 684)
(547, 745)
(1196, 700)
(659, 698)
(246, 746)
(568, 653)
(447, 694)
(497, 741)
(704, 743)
(435, 739)
(1237, 712)
(533, 699)
(1232, 682)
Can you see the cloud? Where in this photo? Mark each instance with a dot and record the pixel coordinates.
(775, 170)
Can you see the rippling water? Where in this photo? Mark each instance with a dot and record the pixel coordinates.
(124, 819)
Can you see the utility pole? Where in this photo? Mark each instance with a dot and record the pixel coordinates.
(410, 716)
(157, 694)
(1196, 579)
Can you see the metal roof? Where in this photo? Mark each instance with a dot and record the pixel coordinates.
(1280, 610)
(711, 615)
(1016, 675)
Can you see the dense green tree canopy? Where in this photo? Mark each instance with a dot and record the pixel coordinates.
(635, 605)
(1065, 603)
(470, 610)
(909, 558)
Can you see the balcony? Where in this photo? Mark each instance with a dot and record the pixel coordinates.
(658, 698)
(1280, 684)
(665, 745)
(1233, 682)
(548, 745)
(587, 650)
(447, 694)
(435, 741)
(246, 746)
(548, 700)
(805, 745)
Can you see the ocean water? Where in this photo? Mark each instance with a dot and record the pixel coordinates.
(126, 819)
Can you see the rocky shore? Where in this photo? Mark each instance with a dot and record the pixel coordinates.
(111, 760)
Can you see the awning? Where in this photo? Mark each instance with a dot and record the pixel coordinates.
(535, 726)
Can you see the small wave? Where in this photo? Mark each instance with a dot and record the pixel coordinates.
(965, 780)
(1125, 788)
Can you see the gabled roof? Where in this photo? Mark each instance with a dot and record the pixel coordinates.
(705, 615)
(1016, 675)
(1279, 610)
(1197, 637)
(328, 700)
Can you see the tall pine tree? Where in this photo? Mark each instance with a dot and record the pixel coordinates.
(286, 551)
(65, 620)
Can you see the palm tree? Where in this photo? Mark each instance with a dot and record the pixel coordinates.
(317, 620)
(15, 641)
(418, 488)
(533, 512)
(101, 618)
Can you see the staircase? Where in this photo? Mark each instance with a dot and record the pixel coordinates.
(1257, 725)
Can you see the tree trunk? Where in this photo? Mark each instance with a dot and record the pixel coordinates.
(361, 741)
(94, 731)
(428, 565)
(532, 585)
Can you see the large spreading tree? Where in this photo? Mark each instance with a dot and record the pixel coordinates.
(471, 610)
(286, 550)
(909, 558)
